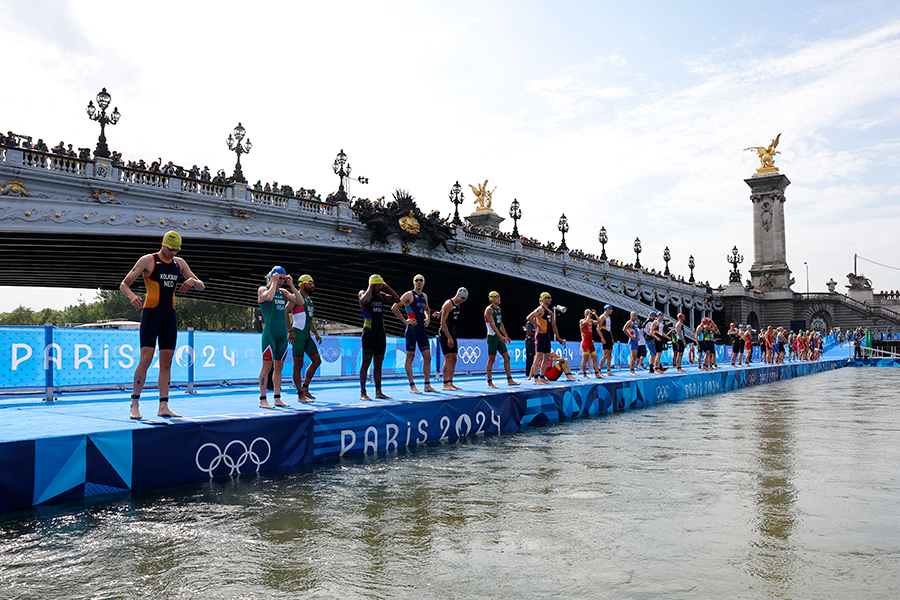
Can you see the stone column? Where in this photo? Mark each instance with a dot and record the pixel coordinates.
(770, 272)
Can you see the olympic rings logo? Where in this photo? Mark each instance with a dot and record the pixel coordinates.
(235, 464)
(469, 354)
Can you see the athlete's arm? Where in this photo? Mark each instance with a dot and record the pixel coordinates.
(366, 295)
(315, 332)
(505, 337)
(266, 293)
(191, 280)
(427, 311)
(294, 294)
(405, 300)
(142, 268)
(627, 329)
(288, 321)
(445, 312)
(391, 293)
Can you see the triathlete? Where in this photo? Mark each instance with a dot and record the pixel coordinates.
(158, 319)
(711, 347)
(631, 329)
(702, 333)
(300, 326)
(736, 344)
(588, 350)
(651, 337)
(447, 336)
(678, 350)
(748, 344)
(412, 309)
(497, 338)
(374, 342)
(272, 300)
(661, 341)
(557, 366)
(544, 320)
(604, 329)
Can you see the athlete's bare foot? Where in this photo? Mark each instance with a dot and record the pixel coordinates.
(541, 382)
(135, 413)
(511, 382)
(362, 396)
(414, 390)
(571, 378)
(305, 392)
(491, 385)
(381, 396)
(430, 390)
(633, 373)
(449, 387)
(265, 404)
(164, 410)
(306, 399)
(680, 370)
(281, 404)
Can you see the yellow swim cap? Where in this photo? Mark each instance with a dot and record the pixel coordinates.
(305, 279)
(493, 295)
(172, 240)
(376, 280)
(420, 276)
(545, 295)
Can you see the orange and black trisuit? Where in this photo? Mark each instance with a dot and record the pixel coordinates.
(158, 318)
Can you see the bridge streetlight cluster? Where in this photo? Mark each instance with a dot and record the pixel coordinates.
(691, 267)
(734, 259)
(563, 227)
(103, 99)
(235, 144)
(667, 256)
(342, 169)
(637, 252)
(457, 198)
(603, 239)
(515, 213)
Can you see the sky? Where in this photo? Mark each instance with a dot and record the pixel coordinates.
(629, 116)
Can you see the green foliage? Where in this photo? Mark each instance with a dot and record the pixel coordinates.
(108, 304)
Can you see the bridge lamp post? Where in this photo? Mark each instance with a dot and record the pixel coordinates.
(667, 256)
(563, 228)
(734, 259)
(637, 252)
(691, 267)
(103, 99)
(602, 239)
(457, 198)
(341, 169)
(806, 264)
(234, 143)
(515, 213)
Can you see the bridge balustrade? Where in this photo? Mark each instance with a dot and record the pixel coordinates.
(203, 187)
(139, 177)
(53, 162)
(268, 199)
(319, 208)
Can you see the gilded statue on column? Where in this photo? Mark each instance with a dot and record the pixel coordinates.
(482, 197)
(767, 156)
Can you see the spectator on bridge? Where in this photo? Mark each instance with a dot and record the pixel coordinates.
(84, 153)
(194, 173)
(12, 140)
(204, 174)
(27, 143)
(154, 166)
(70, 152)
(272, 299)
(220, 177)
(59, 149)
(158, 319)
(41, 146)
(168, 168)
(267, 187)
(258, 185)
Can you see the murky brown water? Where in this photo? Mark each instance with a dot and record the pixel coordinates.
(789, 490)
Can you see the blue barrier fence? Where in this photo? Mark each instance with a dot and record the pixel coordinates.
(64, 357)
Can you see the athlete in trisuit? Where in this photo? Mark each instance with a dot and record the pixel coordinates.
(604, 329)
(299, 319)
(678, 350)
(447, 336)
(273, 299)
(544, 320)
(631, 329)
(497, 338)
(158, 320)
(588, 350)
(417, 317)
(736, 344)
(374, 342)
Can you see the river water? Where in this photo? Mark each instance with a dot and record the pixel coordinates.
(788, 490)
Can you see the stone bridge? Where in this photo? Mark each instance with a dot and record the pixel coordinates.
(66, 222)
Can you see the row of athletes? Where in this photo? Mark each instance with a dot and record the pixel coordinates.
(775, 342)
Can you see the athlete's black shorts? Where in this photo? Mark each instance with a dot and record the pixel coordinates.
(679, 346)
(737, 347)
(642, 351)
(445, 349)
(542, 343)
(373, 342)
(608, 341)
(660, 346)
(162, 324)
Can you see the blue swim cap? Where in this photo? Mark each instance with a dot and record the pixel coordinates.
(741, 326)
(279, 270)
(652, 314)
(607, 307)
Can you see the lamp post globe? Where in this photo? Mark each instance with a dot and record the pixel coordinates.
(457, 198)
(602, 239)
(637, 252)
(563, 227)
(691, 267)
(103, 100)
(515, 213)
(667, 256)
(236, 144)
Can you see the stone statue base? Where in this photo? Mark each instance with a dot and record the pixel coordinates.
(485, 220)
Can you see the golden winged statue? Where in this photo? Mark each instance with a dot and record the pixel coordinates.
(767, 156)
(482, 197)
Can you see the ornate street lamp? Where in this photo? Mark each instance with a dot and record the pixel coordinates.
(103, 99)
(637, 251)
(667, 257)
(563, 227)
(603, 239)
(234, 143)
(734, 259)
(515, 213)
(456, 197)
(341, 169)
(691, 267)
